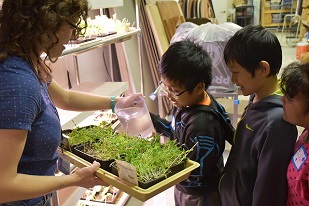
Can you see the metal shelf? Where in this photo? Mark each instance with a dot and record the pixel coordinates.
(76, 49)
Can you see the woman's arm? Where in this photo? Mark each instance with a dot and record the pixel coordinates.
(15, 186)
(78, 101)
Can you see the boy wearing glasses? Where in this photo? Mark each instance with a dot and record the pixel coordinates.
(186, 73)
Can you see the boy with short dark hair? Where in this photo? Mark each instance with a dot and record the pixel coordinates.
(186, 73)
(255, 172)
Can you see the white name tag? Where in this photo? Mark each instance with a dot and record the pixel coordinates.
(299, 157)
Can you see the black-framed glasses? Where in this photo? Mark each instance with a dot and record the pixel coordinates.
(75, 28)
(167, 91)
(73, 25)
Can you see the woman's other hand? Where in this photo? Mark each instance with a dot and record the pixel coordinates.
(85, 177)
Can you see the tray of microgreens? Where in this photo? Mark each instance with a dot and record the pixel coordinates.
(142, 167)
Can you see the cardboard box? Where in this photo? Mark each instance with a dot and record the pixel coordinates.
(305, 3)
(267, 18)
(304, 13)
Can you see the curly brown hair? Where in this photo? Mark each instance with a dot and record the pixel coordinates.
(24, 24)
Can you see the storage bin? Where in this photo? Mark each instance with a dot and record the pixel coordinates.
(275, 21)
(274, 5)
(276, 16)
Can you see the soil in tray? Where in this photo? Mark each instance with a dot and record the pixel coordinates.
(105, 164)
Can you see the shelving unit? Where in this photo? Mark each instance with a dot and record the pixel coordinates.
(244, 15)
(272, 14)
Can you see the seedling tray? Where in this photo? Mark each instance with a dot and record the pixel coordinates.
(105, 164)
(145, 185)
(133, 190)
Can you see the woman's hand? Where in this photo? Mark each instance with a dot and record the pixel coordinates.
(85, 177)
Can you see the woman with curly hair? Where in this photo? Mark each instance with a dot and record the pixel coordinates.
(30, 130)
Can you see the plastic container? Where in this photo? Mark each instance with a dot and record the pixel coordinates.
(133, 114)
(301, 47)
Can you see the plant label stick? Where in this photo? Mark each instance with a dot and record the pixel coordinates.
(127, 172)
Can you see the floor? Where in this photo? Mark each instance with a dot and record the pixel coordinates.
(166, 198)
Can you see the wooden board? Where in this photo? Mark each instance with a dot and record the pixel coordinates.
(198, 9)
(171, 15)
(170, 26)
(204, 9)
(157, 28)
(188, 13)
(169, 9)
(194, 9)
